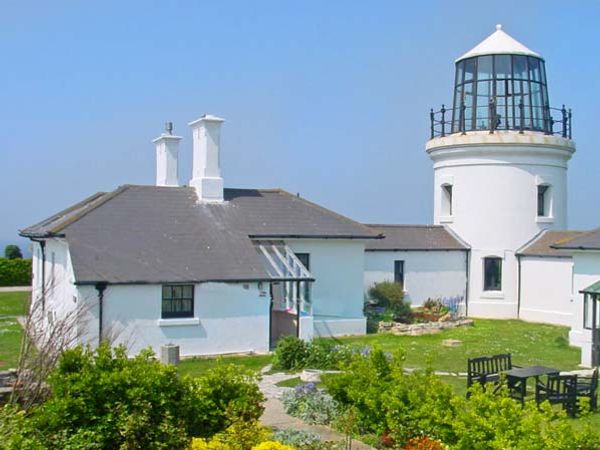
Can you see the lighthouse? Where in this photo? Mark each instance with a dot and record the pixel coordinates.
(500, 153)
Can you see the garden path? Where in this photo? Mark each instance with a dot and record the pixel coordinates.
(15, 289)
(275, 416)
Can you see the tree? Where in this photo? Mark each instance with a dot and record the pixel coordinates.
(13, 252)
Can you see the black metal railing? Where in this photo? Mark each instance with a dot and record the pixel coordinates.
(521, 118)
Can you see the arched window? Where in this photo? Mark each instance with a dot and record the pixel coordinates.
(492, 273)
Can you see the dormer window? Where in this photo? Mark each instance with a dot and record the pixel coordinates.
(543, 200)
(446, 200)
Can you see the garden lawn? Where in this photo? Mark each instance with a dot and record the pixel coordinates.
(10, 342)
(14, 303)
(530, 344)
(197, 366)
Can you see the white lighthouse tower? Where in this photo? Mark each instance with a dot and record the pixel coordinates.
(500, 155)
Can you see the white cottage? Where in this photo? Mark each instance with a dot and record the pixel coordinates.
(212, 270)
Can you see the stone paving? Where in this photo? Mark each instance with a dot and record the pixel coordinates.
(15, 289)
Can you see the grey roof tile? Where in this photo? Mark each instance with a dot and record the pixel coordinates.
(150, 234)
(589, 240)
(543, 244)
(415, 237)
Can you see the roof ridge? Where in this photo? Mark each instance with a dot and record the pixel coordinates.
(107, 197)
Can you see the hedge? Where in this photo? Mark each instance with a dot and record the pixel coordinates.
(15, 272)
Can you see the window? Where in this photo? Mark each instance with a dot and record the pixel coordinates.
(542, 201)
(177, 301)
(446, 199)
(399, 272)
(492, 274)
(304, 259)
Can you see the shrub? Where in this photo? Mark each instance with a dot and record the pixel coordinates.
(299, 439)
(104, 400)
(311, 405)
(391, 295)
(290, 354)
(241, 435)
(15, 272)
(424, 443)
(222, 396)
(13, 252)
(272, 445)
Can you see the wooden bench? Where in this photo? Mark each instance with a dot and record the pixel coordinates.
(487, 369)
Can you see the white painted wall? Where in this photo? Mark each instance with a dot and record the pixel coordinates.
(586, 270)
(427, 274)
(227, 319)
(60, 292)
(494, 208)
(337, 293)
(546, 290)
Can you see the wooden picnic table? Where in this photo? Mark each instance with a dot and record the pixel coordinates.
(517, 378)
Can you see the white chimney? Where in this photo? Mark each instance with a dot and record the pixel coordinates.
(167, 155)
(206, 172)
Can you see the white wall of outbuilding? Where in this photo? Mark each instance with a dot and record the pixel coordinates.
(427, 274)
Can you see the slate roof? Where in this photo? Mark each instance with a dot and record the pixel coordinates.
(543, 244)
(152, 234)
(585, 241)
(415, 237)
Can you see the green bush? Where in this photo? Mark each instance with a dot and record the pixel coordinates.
(223, 395)
(12, 252)
(291, 353)
(402, 406)
(390, 295)
(104, 400)
(15, 272)
(299, 439)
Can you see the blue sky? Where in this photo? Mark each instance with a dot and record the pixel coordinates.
(326, 98)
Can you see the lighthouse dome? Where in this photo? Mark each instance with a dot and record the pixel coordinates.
(499, 43)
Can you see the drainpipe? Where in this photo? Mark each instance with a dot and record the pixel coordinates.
(42, 243)
(100, 287)
(518, 286)
(298, 309)
(467, 278)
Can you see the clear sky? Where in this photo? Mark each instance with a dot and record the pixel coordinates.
(326, 98)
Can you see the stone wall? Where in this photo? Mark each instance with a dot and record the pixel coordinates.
(418, 329)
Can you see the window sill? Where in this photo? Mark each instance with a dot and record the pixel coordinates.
(544, 219)
(446, 219)
(492, 294)
(178, 322)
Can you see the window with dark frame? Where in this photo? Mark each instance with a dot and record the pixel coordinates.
(492, 274)
(177, 301)
(304, 259)
(399, 272)
(542, 209)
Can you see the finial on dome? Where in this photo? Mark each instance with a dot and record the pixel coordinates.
(498, 26)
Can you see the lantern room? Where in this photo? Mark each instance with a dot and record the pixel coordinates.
(500, 85)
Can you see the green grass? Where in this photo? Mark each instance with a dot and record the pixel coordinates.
(529, 344)
(14, 303)
(197, 366)
(10, 343)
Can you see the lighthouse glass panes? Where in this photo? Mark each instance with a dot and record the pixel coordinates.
(501, 92)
